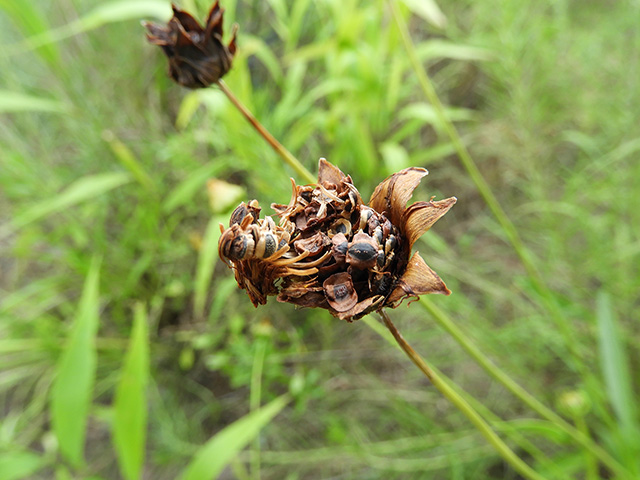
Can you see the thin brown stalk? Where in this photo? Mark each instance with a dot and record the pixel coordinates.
(502, 448)
(280, 149)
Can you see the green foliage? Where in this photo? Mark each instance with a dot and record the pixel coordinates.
(102, 157)
(130, 404)
(72, 389)
(214, 455)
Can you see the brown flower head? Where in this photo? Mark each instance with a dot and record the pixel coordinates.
(197, 56)
(330, 250)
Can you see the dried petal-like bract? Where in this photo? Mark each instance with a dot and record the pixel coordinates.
(333, 251)
(197, 56)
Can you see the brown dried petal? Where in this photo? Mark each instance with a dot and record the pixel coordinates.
(339, 291)
(314, 244)
(309, 299)
(361, 308)
(392, 195)
(417, 279)
(189, 23)
(420, 216)
(214, 20)
(329, 173)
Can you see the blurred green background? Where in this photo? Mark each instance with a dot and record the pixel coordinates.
(125, 345)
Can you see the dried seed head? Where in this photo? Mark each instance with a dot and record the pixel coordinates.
(197, 56)
(333, 251)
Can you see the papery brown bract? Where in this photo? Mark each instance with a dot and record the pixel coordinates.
(197, 56)
(340, 254)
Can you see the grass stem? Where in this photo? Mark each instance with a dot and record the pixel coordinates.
(502, 448)
(280, 149)
(519, 392)
(485, 191)
(255, 400)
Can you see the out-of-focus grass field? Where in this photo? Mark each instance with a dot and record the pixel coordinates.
(125, 345)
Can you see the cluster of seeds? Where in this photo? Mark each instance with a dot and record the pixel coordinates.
(329, 250)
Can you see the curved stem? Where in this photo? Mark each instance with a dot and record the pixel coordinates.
(526, 258)
(451, 395)
(280, 149)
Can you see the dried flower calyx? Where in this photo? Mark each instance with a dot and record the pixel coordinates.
(330, 250)
(197, 56)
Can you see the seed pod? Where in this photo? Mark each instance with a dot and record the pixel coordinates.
(339, 292)
(340, 247)
(332, 251)
(266, 246)
(390, 244)
(340, 226)
(235, 245)
(365, 214)
(197, 56)
(242, 210)
(363, 252)
(314, 245)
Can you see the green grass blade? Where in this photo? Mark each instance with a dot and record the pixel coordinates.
(129, 161)
(17, 465)
(83, 189)
(130, 404)
(614, 364)
(212, 458)
(19, 102)
(206, 264)
(184, 192)
(103, 14)
(73, 386)
(428, 10)
(31, 20)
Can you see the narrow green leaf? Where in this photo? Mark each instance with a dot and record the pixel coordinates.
(121, 10)
(206, 263)
(73, 386)
(443, 49)
(17, 465)
(20, 102)
(614, 364)
(103, 14)
(130, 404)
(188, 108)
(129, 161)
(428, 10)
(213, 456)
(83, 189)
(32, 21)
(187, 189)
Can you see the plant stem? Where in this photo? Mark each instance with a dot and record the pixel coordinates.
(494, 371)
(485, 191)
(451, 395)
(280, 149)
(254, 400)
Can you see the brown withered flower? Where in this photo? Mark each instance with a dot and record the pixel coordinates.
(197, 56)
(332, 251)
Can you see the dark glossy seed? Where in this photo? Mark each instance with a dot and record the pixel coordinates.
(239, 247)
(363, 252)
(390, 244)
(270, 245)
(377, 234)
